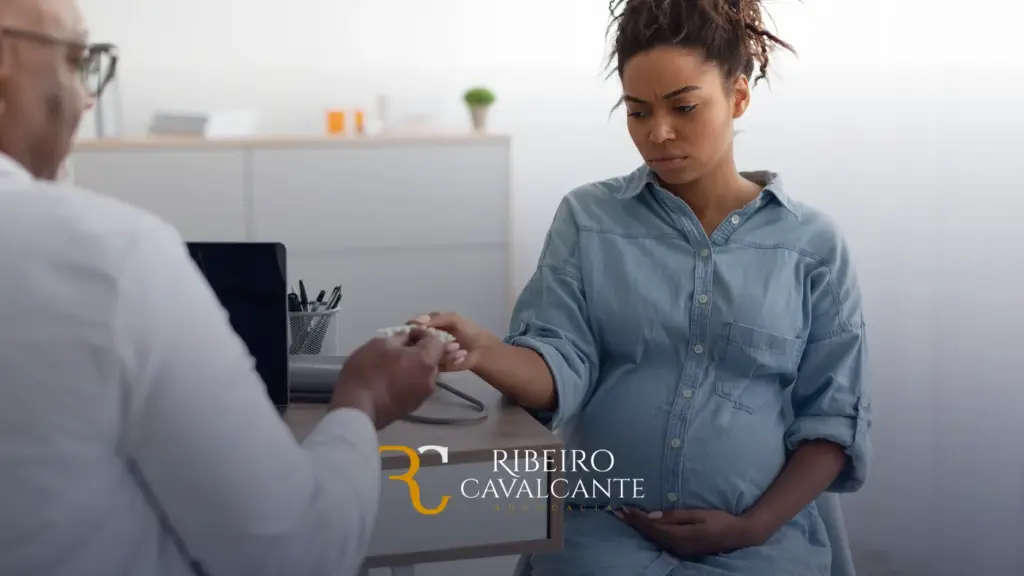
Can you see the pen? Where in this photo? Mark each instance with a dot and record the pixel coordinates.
(293, 303)
(319, 302)
(335, 300)
(330, 300)
(302, 297)
(316, 322)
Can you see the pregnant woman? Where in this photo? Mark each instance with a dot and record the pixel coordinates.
(696, 322)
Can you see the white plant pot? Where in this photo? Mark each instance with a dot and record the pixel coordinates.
(478, 114)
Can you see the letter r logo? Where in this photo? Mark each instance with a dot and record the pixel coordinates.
(409, 477)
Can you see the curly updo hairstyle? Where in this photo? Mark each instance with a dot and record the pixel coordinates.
(729, 33)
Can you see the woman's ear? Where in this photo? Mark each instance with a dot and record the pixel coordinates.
(740, 96)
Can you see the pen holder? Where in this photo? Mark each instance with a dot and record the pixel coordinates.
(313, 333)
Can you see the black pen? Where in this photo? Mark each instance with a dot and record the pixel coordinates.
(319, 302)
(302, 297)
(335, 300)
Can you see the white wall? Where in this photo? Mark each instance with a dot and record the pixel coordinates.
(900, 118)
(293, 63)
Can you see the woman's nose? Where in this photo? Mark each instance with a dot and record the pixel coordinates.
(661, 131)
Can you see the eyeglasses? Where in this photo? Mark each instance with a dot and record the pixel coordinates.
(97, 63)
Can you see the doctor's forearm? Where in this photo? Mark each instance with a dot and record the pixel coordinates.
(342, 509)
(809, 471)
(519, 373)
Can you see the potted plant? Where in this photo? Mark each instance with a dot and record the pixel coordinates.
(479, 100)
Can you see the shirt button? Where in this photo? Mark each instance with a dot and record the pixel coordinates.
(676, 443)
(704, 252)
(703, 298)
(698, 349)
(735, 219)
(687, 393)
(672, 496)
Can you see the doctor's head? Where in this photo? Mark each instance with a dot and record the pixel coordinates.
(49, 75)
(687, 67)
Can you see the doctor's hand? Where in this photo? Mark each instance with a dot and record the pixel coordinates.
(387, 378)
(690, 533)
(471, 339)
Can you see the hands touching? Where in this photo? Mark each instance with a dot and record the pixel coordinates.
(470, 339)
(390, 377)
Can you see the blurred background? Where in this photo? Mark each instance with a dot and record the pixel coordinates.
(901, 118)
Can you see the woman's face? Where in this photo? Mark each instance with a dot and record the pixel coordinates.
(680, 112)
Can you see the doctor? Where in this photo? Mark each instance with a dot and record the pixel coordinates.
(135, 435)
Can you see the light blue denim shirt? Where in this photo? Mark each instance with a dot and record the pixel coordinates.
(699, 362)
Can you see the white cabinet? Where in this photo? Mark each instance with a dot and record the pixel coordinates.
(405, 225)
(200, 191)
(380, 197)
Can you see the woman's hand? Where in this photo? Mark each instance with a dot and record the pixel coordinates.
(690, 533)
(471, 339)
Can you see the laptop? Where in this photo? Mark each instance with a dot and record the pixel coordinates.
(251, 281)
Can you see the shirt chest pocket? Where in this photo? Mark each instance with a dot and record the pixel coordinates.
(753, 366)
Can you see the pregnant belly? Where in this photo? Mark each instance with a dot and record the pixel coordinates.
(716, 457)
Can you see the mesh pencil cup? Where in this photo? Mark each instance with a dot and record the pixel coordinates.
(313, 332)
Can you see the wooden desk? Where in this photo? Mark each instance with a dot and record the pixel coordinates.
(467, 528)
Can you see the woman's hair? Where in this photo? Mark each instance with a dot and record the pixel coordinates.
(730, 33)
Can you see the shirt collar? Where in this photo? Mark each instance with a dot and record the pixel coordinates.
(12, 172)
(643, 177)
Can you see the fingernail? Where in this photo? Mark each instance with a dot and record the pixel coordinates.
(654, 515)
(452, 347)
(424, 319)
(618, 514)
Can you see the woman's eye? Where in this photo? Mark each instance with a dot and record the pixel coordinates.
(637, 114)
(686, 109)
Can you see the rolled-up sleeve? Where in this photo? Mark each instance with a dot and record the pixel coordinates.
(830, 396)
(550, 318)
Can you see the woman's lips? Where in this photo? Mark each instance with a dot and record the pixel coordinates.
(668, 162)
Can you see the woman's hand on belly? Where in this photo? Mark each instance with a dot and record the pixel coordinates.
(689, 533)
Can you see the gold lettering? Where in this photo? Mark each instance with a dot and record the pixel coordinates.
(409, 477)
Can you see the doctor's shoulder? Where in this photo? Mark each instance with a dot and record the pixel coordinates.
(101, 225)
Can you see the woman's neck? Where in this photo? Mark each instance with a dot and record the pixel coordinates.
(717, 193)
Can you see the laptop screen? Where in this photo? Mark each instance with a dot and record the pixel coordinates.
(250, 279)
